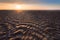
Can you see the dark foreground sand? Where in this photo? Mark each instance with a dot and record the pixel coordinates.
(29, 25)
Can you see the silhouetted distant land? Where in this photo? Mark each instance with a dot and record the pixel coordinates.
(30, 25)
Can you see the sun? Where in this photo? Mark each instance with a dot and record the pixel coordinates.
(18, 7)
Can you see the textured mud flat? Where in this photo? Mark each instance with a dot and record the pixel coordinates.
(29, 25)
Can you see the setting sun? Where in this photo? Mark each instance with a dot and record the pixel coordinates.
(18, 7)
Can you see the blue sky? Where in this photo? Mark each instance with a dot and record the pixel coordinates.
(51, 1)
(34, 1)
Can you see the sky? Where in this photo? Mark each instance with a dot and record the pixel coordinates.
(34, 1)
(48, 4)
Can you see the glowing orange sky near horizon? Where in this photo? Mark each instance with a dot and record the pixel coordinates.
(15, 6)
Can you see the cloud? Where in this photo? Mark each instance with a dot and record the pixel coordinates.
(18, 0)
